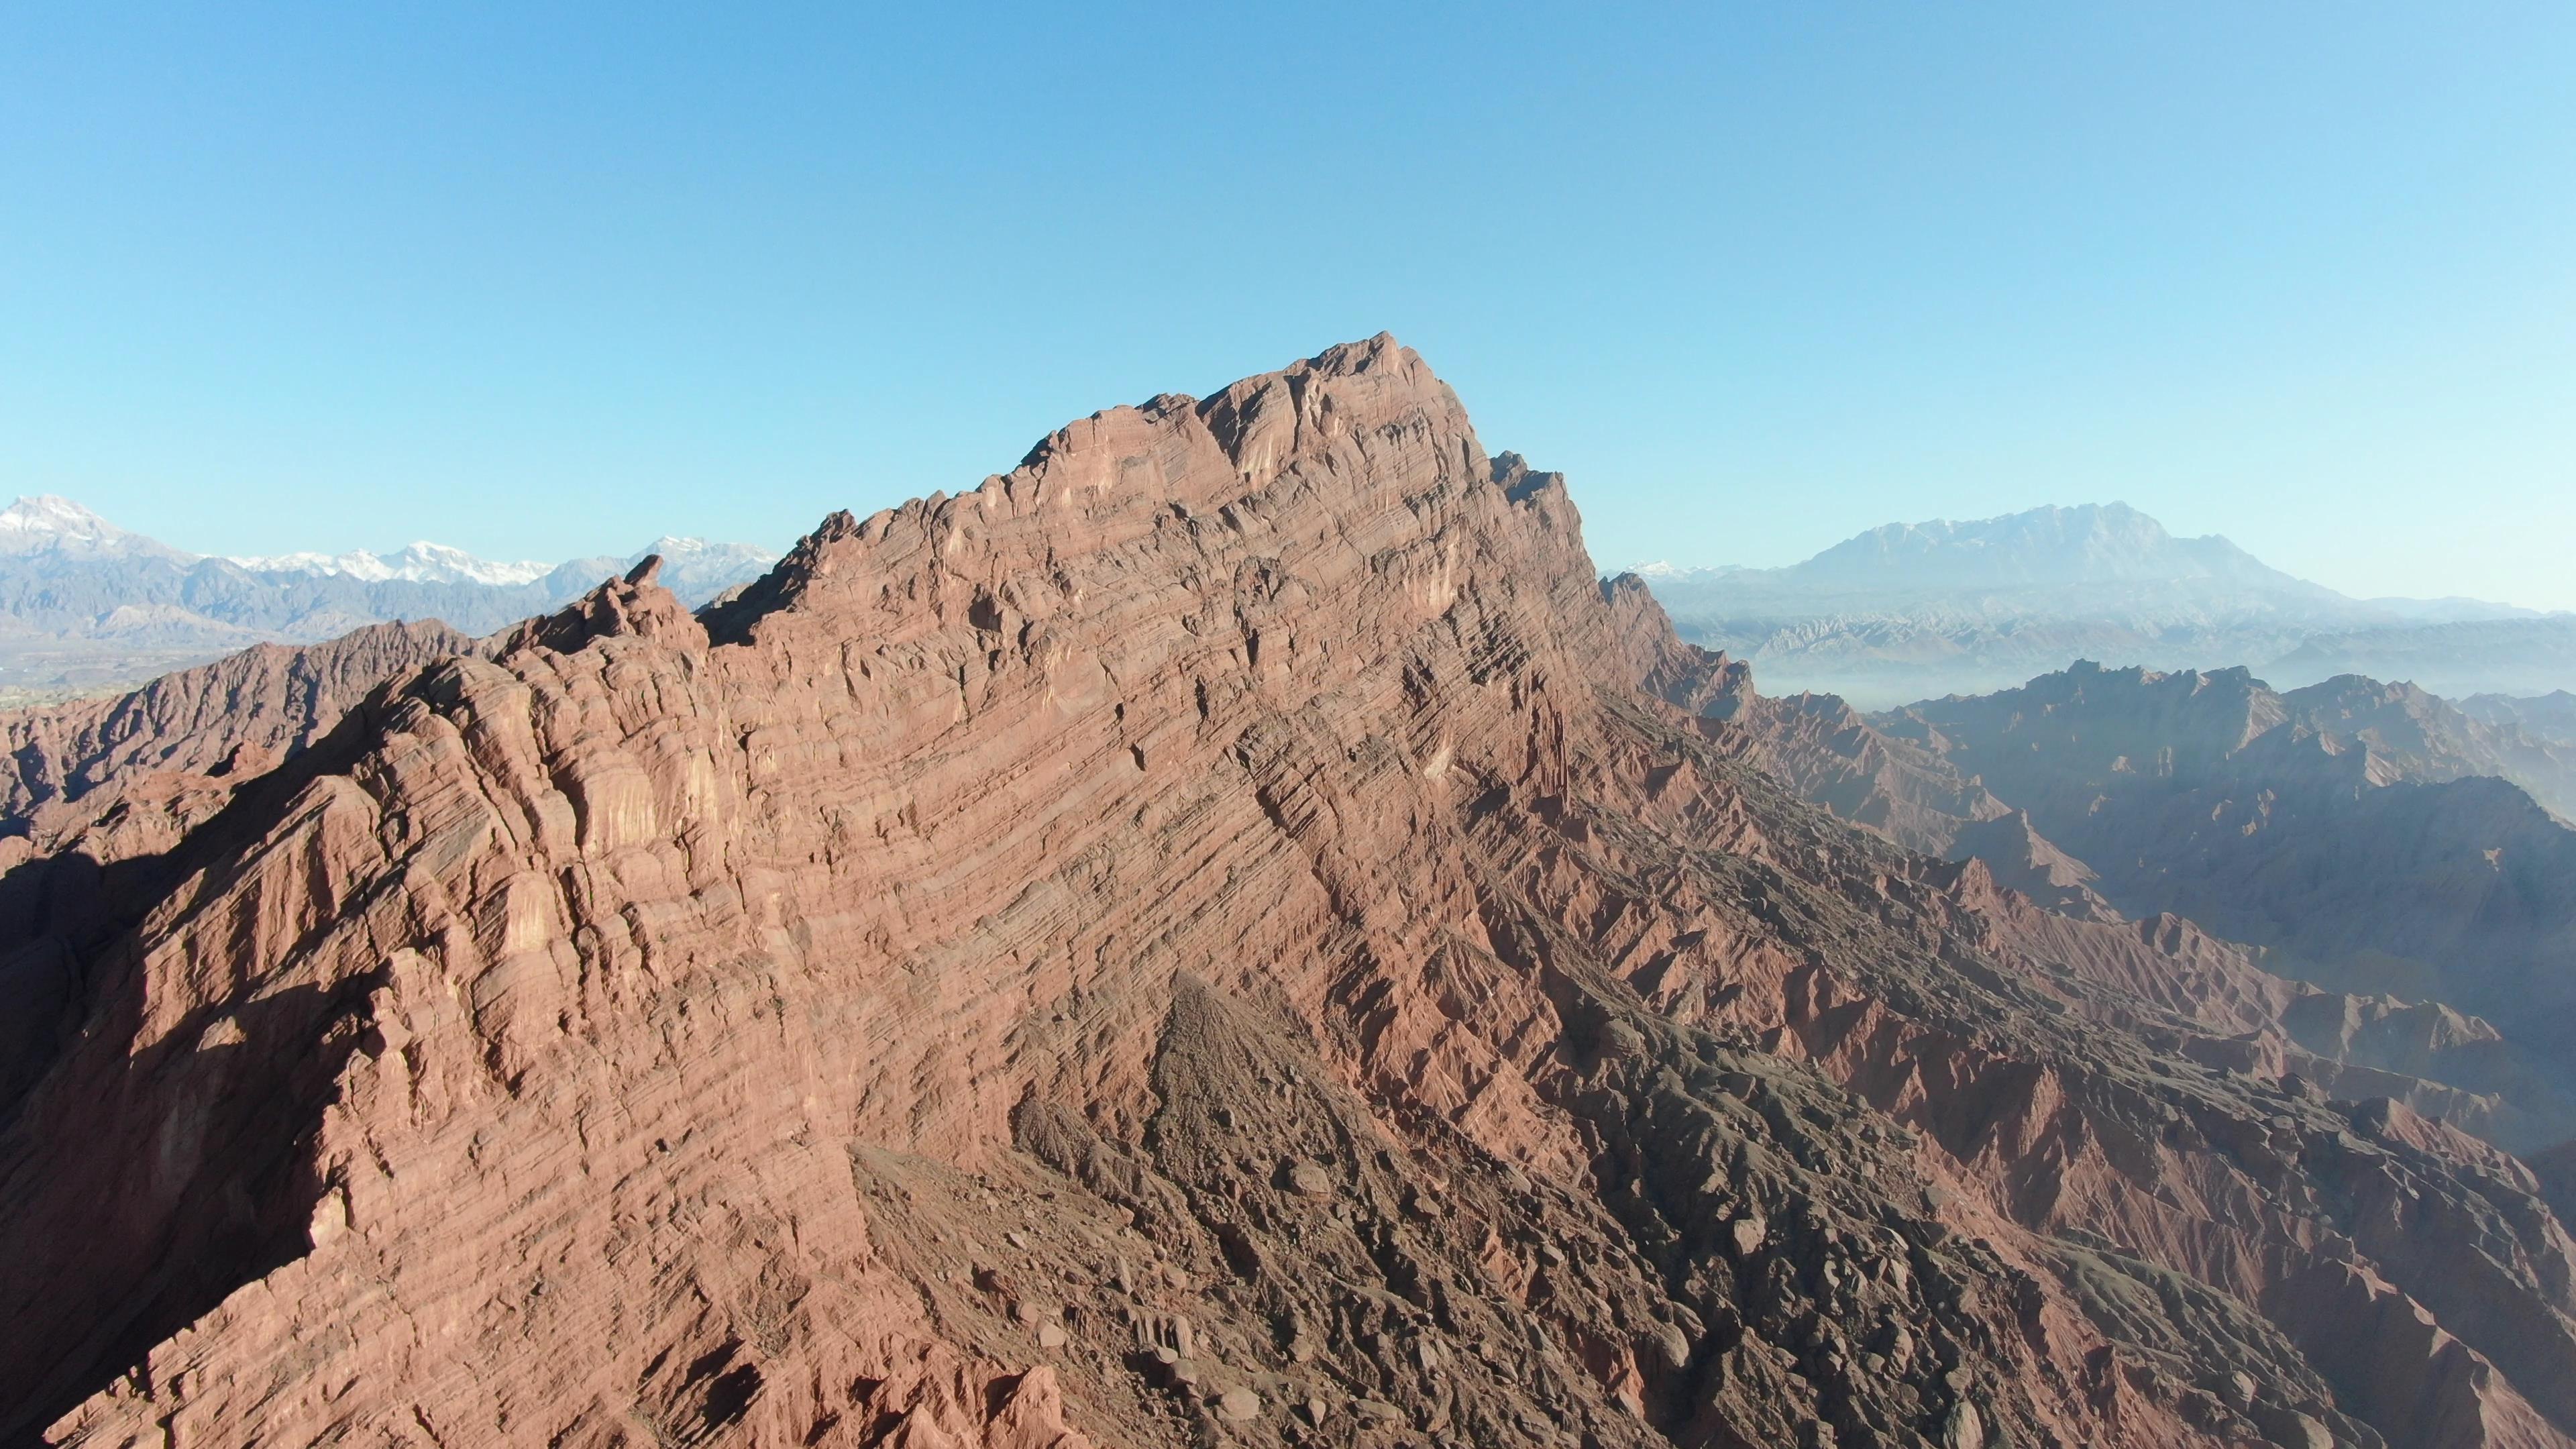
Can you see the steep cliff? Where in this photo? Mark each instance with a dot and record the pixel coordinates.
(1200, 939)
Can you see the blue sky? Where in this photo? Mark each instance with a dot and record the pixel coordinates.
(550, 280)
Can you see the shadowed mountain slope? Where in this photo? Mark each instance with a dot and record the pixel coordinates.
(2362, 836)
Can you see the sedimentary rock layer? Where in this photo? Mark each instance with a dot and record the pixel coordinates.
(234, 719)
(1200, 939)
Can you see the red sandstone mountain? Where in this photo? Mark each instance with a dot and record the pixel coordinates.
(89, 784)
(70, 765)
(1199, 940)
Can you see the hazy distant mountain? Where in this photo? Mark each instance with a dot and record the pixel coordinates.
(2526, 656)
(2094, 544)
(1909, 611)
(2374, 837)
(2369, 837)
(2550, 717)
(85, 604)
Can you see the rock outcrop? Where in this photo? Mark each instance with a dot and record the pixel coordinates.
(228, 720)
(1199, 940)
(96, 791)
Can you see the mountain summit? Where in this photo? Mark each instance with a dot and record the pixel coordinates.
(56, 527)
(2086, 546)
(2092, 543)
(1198, 940)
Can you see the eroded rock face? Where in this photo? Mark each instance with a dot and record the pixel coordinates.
(1199, 940)
(231, 719)
(98, 795)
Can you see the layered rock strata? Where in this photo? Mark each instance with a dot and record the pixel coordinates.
(1198, 940)
(68, 765)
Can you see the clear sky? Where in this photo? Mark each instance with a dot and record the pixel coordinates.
(545, 280)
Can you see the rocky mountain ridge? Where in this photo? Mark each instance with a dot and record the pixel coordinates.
(2458, 658)
(2369, 838)
(1199, 940)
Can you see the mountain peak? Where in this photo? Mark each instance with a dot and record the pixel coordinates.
(1107, 852)
(2046, 519)
(419, 561)
(50, 511)
(2079, 543)
(51, 523)
(2084, 543)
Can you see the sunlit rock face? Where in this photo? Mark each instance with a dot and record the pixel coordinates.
(1200, 939)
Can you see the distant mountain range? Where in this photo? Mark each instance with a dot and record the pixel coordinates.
(1911, 611)
(86, 605)
(2551, 717)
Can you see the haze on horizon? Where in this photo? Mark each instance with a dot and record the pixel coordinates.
(540, 286)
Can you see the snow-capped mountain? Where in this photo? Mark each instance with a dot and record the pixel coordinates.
(693, 568)
(84, 603)
(417, 562)
(55, 527)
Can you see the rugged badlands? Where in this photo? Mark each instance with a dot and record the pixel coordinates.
(1202, 940)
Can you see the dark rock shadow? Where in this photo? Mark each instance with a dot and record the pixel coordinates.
(141, 1185)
